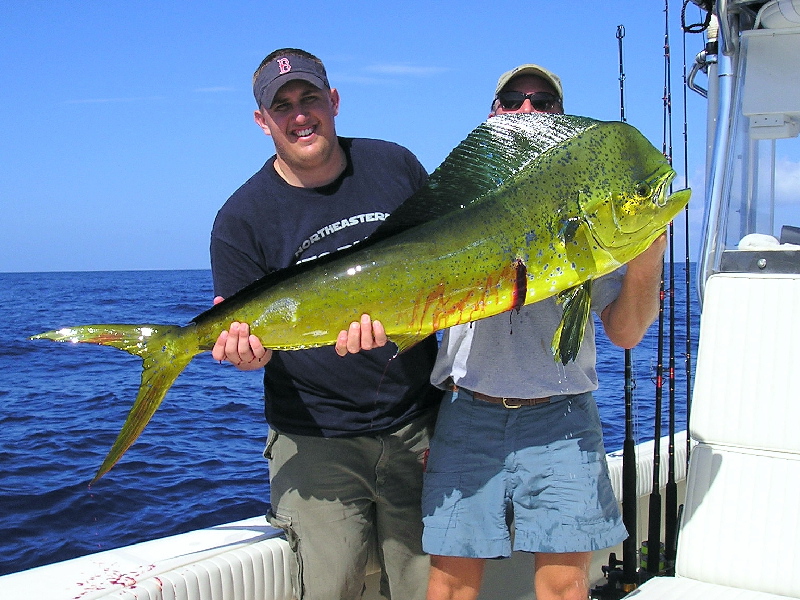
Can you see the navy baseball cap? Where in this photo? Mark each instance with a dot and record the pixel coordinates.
(284, 69)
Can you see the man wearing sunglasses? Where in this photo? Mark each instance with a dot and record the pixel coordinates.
(527, 89)
(520, 437)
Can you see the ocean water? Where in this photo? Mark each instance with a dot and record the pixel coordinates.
(198, 463)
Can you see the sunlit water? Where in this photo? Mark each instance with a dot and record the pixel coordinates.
(199, 461)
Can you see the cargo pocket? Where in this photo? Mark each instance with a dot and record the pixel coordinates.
(284, 523)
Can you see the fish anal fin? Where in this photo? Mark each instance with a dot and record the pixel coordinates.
(407, 340)
(567, 339)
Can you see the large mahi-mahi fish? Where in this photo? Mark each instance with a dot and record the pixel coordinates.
(528, 206)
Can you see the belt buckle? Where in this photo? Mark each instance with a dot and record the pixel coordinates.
(507, 405)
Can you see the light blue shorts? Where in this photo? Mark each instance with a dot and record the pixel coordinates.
(542, 468)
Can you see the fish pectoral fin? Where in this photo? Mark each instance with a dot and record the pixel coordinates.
(567, 339)
(569, 229)
(406, 341)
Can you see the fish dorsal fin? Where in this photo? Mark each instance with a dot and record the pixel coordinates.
(491, 155)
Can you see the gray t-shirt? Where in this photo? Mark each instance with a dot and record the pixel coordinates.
(508, 355)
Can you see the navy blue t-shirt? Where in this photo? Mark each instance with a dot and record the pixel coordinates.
(267, 225)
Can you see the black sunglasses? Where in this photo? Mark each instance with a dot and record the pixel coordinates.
(541, 101)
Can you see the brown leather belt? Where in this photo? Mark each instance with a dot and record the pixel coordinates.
(511, 402)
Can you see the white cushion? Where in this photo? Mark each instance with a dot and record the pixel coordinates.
(748, 360)
(741, 522)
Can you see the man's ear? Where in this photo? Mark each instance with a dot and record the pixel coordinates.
(258, 116)
(335, 101)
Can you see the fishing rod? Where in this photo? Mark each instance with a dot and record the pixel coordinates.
(625, 581)
(671, 490)
(654, 508)
(653, 563)
(629, 494)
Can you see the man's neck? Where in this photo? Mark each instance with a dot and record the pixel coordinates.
(313, 178)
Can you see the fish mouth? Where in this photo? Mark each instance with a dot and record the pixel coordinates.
(664, 199)
(661, 198)
(679, 200)
(680, 197)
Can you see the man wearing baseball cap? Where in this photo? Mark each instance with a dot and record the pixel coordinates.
(537, 459)
(547, 95)
(347, 435)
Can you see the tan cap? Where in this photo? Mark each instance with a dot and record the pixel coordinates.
(531, 69)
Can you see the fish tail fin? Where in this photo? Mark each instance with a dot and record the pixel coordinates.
(165, 351)
(567, 339)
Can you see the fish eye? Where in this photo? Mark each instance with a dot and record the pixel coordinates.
(642, 189)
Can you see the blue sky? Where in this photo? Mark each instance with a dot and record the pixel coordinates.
(125, 126)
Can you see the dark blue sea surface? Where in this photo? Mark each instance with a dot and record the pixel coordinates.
(198, 463)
